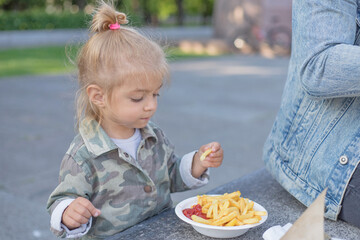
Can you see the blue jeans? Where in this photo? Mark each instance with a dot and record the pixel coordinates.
(350, 211)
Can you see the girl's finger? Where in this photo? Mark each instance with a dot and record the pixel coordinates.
(79, 218)
(70, 222)
(83, 212)
(215, 146)
(90, 207)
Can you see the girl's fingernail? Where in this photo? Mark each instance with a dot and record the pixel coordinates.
(97, 213)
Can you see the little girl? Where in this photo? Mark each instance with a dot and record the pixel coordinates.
(121, 168)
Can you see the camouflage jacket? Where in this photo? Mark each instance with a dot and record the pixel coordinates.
(126, 190)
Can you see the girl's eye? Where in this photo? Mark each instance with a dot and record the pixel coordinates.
(156, 95)
(136, 99)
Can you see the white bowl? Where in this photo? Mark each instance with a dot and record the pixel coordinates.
(216, 231)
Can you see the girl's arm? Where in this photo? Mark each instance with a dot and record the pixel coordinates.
(74, 185)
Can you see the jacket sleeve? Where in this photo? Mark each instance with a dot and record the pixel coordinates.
(73, 183)
(186, 172)
(173, 162)
(325, 44)
(167, 150)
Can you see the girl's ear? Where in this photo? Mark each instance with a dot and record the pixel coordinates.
(96, 95)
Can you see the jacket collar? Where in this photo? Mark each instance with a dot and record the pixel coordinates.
(98, 142)
(148, 132)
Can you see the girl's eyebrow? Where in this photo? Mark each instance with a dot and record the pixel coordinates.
(146, 90)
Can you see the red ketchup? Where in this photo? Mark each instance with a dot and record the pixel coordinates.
(195, 210)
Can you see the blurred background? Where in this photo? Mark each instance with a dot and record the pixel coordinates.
(228, 62)
(187, 27)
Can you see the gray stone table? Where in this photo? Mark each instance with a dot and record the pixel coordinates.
(258, 186)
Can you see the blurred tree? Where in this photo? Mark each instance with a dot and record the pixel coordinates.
(207, 8)
(20, 4)
(166, 8)
(81, 4)
(204, 8)
(180, 12)
(140, 12)
(155, 10)
(146, 13)
(3, 2)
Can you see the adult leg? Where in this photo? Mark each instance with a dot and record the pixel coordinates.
(350, 211)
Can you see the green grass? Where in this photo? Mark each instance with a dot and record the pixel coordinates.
(53, 59)
(33, 61)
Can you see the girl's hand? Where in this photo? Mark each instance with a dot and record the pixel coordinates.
(79, 212)
(214, 159)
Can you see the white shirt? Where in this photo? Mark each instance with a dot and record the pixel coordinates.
(131, 144)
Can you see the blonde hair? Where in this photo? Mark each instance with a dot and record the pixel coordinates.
(110, 57)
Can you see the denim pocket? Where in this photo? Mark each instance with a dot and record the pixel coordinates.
(312, 124)
(300, 130)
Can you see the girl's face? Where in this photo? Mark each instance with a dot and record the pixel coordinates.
(131, 106)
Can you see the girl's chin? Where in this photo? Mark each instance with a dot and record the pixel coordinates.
(143, 122)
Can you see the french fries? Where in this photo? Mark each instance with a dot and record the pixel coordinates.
(228, 209)
(204, 155)
(200, 219)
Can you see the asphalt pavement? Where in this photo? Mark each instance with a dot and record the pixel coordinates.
(230, 99)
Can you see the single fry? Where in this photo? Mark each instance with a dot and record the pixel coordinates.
(233, 194)
(251, 220)
(231, 223)
(242, 206)
(225, 219)
(210, 212)
(239, 223)
(250, 205)
(245, 216)
(215, 210)
(204, 155)
(200, 220)
(260, 213)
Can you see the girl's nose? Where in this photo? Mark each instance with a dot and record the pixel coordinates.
(151, 104)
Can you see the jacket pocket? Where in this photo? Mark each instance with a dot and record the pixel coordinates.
(299, 131)
(310, 127)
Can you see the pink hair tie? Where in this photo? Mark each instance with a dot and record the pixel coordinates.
(114, 26)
